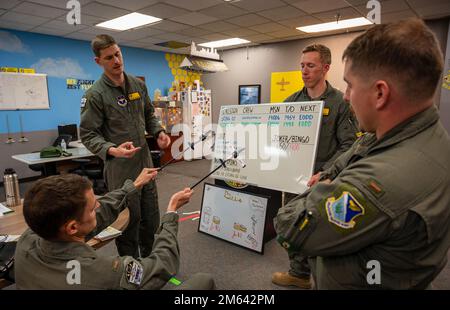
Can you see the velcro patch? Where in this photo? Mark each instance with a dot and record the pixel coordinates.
(134, 272)
(344, 210)
(326, 112)
(134, 96)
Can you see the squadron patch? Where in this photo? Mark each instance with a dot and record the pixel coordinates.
(343, 211)
(122, 101)
(83, 102)
(134, 272)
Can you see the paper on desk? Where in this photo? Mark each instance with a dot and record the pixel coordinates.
(4, 209)
(108, 233)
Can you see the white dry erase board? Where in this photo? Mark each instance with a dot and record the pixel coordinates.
(280, 142)
(23, 91)
(233, 216)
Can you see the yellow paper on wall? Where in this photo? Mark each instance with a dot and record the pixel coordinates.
(27, 70)
(284, 84)
(9, 69)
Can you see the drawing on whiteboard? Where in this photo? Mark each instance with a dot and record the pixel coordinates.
(254, 222)
(232, 197)
(238, 229)
(252, 241)
(236, 216)
(215, 225)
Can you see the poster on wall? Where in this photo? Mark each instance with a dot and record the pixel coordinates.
(284, 84)
(234, 216)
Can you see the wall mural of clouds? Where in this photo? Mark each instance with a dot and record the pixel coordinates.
(61, 68)
(11, 43)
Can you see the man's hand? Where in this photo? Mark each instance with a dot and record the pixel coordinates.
(179, 199)
(163, 140)
(146, 175)
(315, 179)
(125, 150)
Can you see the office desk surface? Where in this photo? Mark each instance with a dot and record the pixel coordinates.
(34, 158)
(14, 224)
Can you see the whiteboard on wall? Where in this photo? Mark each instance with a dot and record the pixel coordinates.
(279, 141)
(23, 91)
(233, 216)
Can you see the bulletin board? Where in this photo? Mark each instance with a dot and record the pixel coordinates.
(279, 143)
(234, 216)
(23, 91)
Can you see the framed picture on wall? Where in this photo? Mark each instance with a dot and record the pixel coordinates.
(249, 94)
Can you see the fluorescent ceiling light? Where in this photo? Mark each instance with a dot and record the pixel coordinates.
(342, 24)
(132, 20)
(223, 43)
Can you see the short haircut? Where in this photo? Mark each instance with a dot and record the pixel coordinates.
(324, 52)
(406, 52)
(101, 42)
(53, 201)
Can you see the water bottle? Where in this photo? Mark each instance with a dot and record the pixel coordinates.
(11, 183)
(63, 145)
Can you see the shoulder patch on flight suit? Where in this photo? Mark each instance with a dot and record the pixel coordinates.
(346, 209)
(122, 101)
(134, 96)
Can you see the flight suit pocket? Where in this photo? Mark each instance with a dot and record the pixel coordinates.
(294, 238)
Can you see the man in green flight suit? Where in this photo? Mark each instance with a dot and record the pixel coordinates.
(63, 212)
(115, 113)
(337, 134)
(379, 217)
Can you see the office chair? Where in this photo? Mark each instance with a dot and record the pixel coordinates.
(93, 171)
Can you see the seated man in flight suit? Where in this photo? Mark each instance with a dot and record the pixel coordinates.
(63, 212)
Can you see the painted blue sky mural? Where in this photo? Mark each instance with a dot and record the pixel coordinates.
(63, 59)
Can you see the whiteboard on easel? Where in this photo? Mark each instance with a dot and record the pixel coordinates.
(234, 216)
(23, 91)
(279, 143)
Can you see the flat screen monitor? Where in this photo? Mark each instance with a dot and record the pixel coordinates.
(70, 129)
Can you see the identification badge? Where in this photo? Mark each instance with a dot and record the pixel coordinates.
(326, 111)
(134, 96)
(122, 101)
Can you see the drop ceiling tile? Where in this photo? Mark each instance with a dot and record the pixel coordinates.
(150, 40)
(330, 16)
(284, 12)
(15, 25)
(248, 20)
(258, 38)
(316, 6)
(258, 5)
(39, 10)
(50, 31)
(396, 16)
(79, 36)
(215, 37)
(9, 4)
(425, 3)
(284, 33)
(61, 4)
(23, 18)
(170, 36)
(93, 31)
(300, 21)
(434, 11)
(223, 11)
(193, 19)
(194, 5)
(386, 7)
(241, 32)
(218, 26)
(57, 24)
(131, 5)
(195, 31)
(102, 10)
(137, 34)
(163, 10)
(269, 27)
(86, 20)
(170, 26)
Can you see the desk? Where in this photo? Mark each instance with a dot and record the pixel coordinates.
(50, 163)
(14, 224)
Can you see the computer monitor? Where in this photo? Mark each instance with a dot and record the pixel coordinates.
(70, 129)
